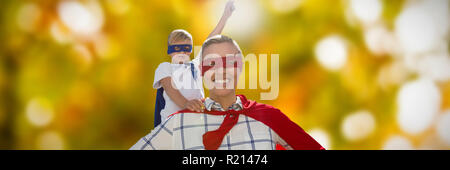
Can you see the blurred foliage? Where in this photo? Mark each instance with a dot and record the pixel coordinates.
(99, 86)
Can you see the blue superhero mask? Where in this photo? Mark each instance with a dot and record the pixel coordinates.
(179, 48)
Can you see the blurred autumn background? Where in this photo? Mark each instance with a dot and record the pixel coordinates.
(355, 74)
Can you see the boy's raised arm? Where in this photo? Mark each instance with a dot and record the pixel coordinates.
(229, 8)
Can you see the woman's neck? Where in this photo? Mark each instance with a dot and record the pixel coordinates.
(224, 101)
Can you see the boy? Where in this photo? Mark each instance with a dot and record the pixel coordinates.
(179, 83)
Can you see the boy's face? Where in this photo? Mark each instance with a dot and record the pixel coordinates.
(181, 57)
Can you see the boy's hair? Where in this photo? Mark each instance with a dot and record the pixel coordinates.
(178, 35)
(217, 39)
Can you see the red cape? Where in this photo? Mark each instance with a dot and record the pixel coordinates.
(290, 132)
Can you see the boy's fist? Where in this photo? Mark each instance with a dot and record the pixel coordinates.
(229, 8)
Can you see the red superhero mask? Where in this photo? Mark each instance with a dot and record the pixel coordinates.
(221, 62)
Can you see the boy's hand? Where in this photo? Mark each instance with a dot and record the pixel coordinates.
(194, 105)
(229, 8)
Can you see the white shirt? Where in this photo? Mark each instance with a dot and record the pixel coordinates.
(185, 132)
(183, 80)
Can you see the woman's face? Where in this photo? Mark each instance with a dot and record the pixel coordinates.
(180, 57)
(221, 80)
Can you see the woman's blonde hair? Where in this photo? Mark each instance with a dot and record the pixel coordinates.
(217, 39)
(179, 35)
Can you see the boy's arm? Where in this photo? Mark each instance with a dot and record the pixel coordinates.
(178, 98)
(173, 93)
(229, 8)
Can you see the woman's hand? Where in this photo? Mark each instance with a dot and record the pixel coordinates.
(229, 8)
(194, 105)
